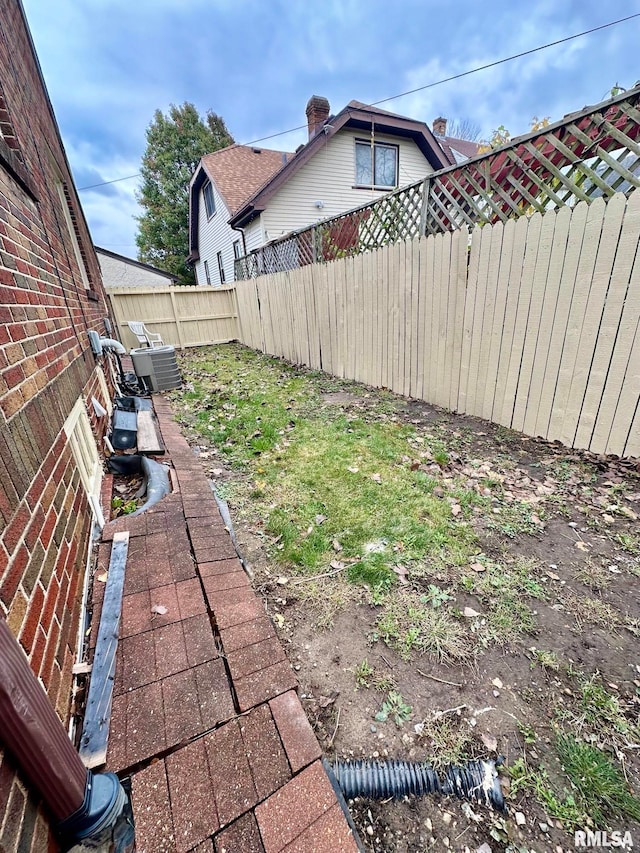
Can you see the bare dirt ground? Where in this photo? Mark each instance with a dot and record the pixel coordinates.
(571, 665)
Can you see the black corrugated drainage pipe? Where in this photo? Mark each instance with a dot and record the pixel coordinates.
(476, 780)
(83, 805)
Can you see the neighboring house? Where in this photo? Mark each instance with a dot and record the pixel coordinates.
(350, 159)
(457, 150)
(120, 271)
(51, 294)
(220, 185)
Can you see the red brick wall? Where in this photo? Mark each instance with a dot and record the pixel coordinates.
(25, 826)
(46, 363)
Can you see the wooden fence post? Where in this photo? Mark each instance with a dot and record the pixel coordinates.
(425, 202)
(176, 317)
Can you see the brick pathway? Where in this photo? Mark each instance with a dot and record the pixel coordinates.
(206, 719)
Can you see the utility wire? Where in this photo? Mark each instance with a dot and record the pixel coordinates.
(507, 59)
(104, 183)
(426, 86)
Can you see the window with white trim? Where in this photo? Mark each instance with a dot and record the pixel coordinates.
(77, 428)
(376, 164)
(237, 251)
(206, 272)
(209, 199)
(221, 268)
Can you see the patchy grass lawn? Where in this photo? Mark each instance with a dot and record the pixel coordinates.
(445, 589)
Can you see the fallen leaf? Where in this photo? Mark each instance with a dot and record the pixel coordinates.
(217, 472)
(103, 577)
(325, 701)
(320, 518)
(282, 580)
(470, 613)
(337, 547)
(160, 609)
(625, 510)
(336, 564)
(497, 683)
(278, 618)
(456, 509)
(478, 567)
(490, 742)
(581, 546)
(353, 469)
(401, 571)
(376, 478)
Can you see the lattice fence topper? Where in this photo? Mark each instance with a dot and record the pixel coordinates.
(589, 154)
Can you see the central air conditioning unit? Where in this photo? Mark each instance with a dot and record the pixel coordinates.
(157, 367)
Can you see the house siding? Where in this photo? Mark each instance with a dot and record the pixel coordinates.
(254, 234)
(47, 304)
(117, 273)
(329, 177)
(215, 235)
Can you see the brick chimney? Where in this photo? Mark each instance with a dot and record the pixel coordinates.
(440, 126)
(317, 113)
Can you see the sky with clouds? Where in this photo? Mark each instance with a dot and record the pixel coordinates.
(109, 64)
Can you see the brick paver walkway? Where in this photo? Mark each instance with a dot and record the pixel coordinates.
(206, 719)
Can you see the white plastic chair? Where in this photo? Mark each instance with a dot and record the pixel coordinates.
(149, 339)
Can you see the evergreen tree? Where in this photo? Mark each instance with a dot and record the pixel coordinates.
(175, 144)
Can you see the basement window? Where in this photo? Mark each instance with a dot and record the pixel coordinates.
(209, 199)
(85, 453)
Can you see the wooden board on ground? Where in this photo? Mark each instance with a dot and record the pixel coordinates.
(95, 731)
(148, 439)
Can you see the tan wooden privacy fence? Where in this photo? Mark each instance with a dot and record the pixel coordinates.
(184, 316)
(537, 329)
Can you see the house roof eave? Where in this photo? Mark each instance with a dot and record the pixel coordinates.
(197, 180)
(245, 216)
